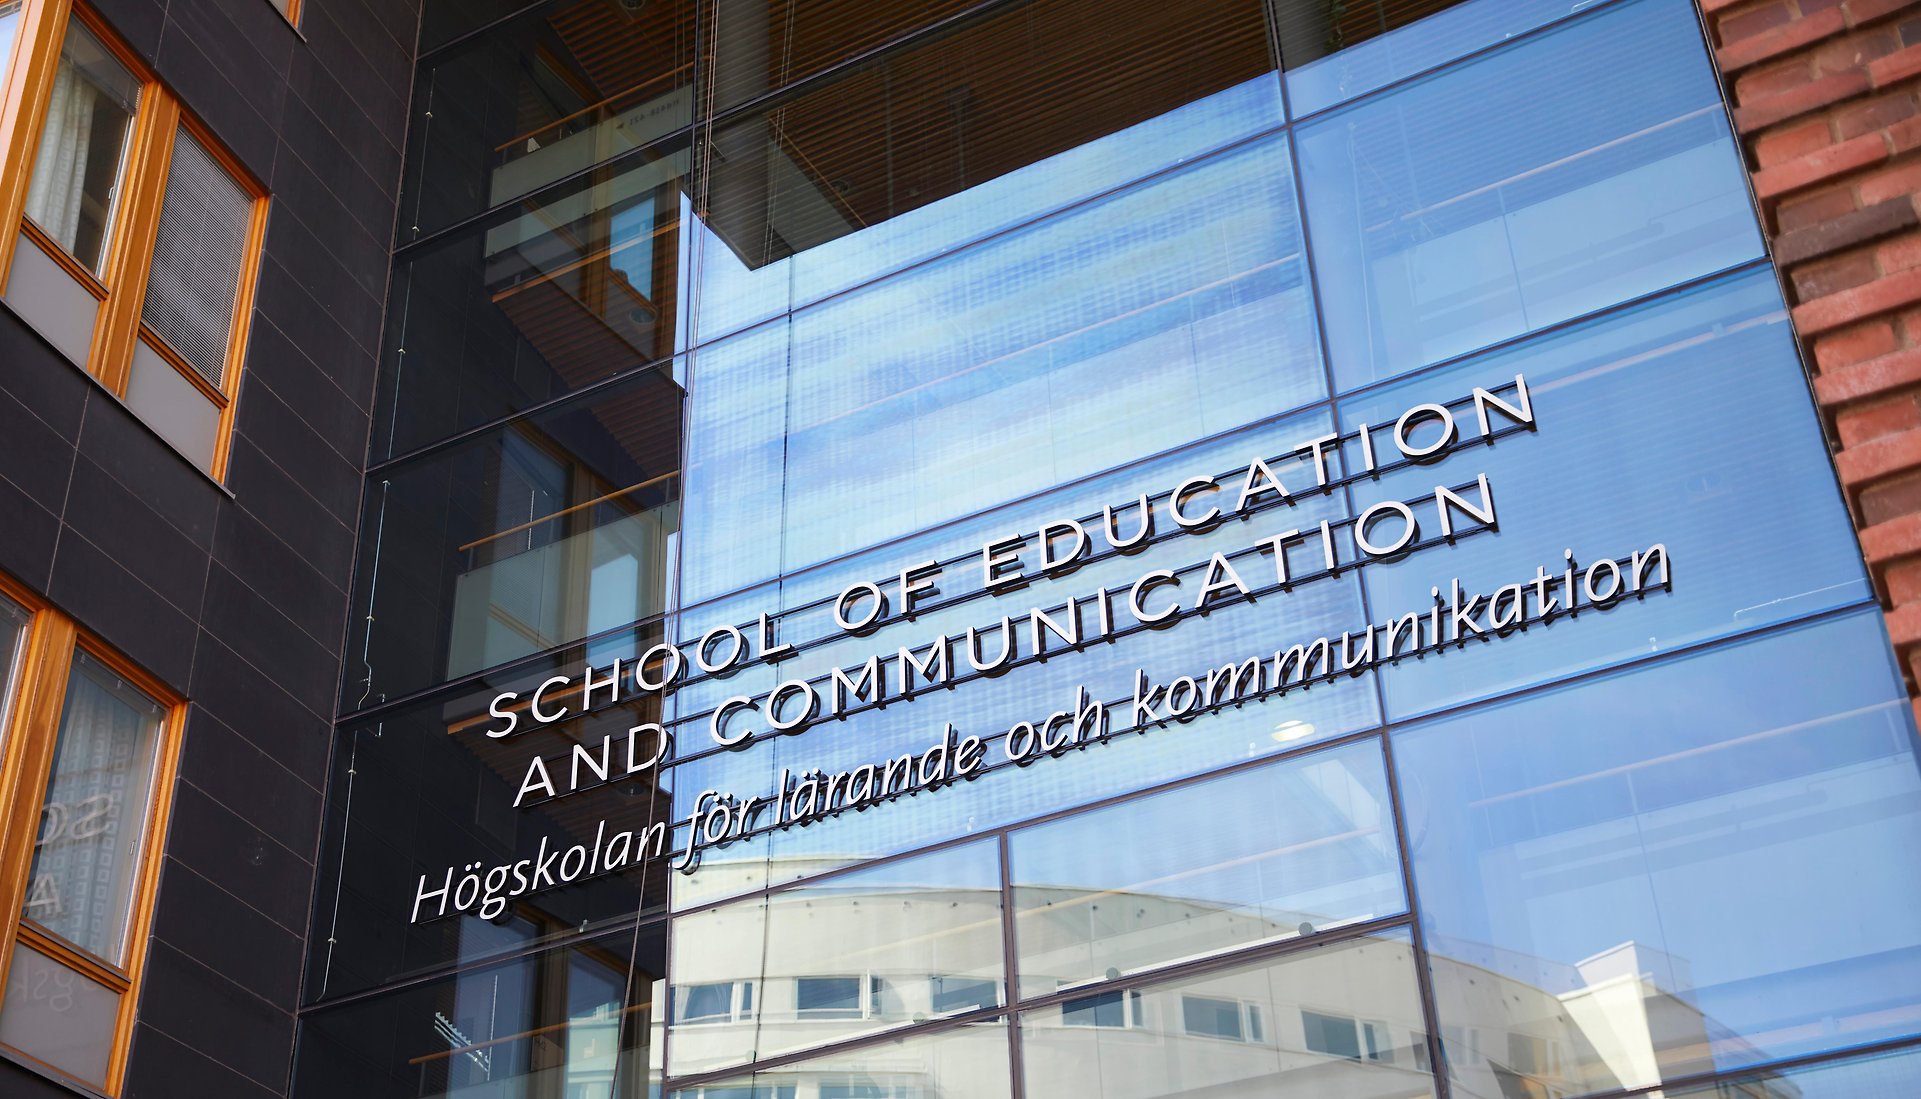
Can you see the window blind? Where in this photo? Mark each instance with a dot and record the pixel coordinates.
(195, 277)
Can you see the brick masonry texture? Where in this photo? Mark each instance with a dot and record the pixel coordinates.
(1826, 97)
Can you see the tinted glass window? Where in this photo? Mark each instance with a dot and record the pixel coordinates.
(540, 97)
(1733, 483)
(1286, 850)
(1493, 199)
(1634, 871)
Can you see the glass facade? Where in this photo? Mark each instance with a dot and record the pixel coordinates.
(1018, 549)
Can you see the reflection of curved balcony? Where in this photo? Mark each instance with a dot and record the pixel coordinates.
(587, 277)
(626, 120)
(529, 590)
(523, 538)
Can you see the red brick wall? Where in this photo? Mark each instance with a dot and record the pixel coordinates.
(1827, 100)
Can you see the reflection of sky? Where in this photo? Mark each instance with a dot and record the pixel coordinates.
(987, 707)
(1494, 199)
(1166, 313)
(1310, 603)
(1711, 809)
(732, 296)
(1213, 842)
(1438, 38)
(1892, 1076)
(1684, 423)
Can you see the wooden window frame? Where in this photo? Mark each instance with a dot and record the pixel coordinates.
(41, 677)
(121, 288)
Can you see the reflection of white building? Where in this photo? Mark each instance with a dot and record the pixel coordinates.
(1621, 1018)
(812, 967)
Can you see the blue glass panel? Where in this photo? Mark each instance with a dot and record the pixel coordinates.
(1414, 49)
(1168, 312)
(987, 707)
(1698, 865)
(1495, 198)
(734, 484)
(1894, 1075)
(736, 289)
(1290, 849)
(1683, 423)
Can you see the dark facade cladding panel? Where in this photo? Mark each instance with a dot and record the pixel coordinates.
(164, 1067)
(333, 224)
(377, 68)
(303, 317)
(156, 522)
(312, 460)
(98, 590)
(279, 500)
(270, 641)
(125, 528)
(250, 47)
(32, 533)
(198, 1006)
(205, 922)
(244, 860)
(139, 23)
(244, 123)
(336, 93)
(39, 458)
(232, 594)
(334, 412)
(258, 709)
(323, 258)
(260, 788)
(263, 561)
(58, 398)
(16, 1080)
(334, 145)
(128, 451)
(335, 204)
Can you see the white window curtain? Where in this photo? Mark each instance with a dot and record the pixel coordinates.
(57, 194)
(93, 820)
(83, 147)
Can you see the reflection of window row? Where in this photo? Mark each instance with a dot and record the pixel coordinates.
(835, 997)
(872, 996)
(862, 1088)
(1236, 1020)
